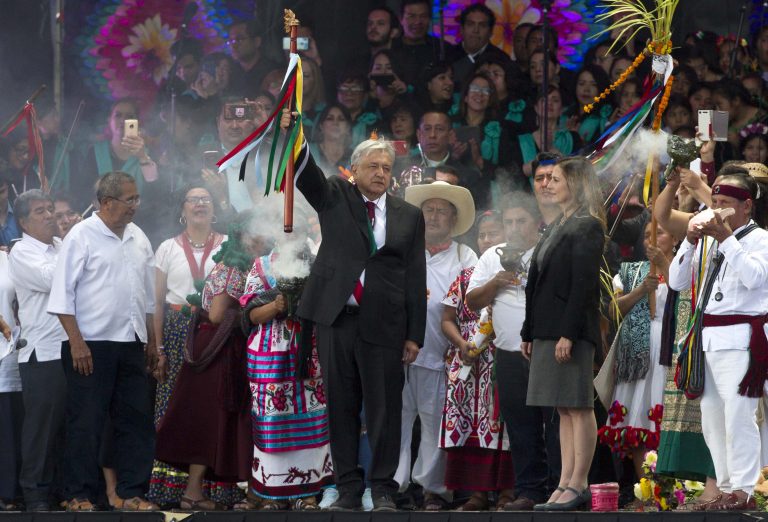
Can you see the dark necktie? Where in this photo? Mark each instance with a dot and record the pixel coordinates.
(371, 206)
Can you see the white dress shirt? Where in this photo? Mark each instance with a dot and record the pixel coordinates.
(107, 283)
(442, 270)
(742, 281)
(32, 264)
(379, 233)
(509, 303)
(10, 380)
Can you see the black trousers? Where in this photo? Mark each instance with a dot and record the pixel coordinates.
(356, 374)
(118, 389)
(44, 390)
(11, 415)
(533, 431)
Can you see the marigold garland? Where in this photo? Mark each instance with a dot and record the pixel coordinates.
(638, 60)
(663, 103)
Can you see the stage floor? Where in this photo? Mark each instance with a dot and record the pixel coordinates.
(401, 516)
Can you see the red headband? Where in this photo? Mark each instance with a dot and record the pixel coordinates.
(732, 192)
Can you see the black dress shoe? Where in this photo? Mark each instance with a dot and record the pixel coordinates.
(38, 507)
(580, 501)
(347, 502)
(384, 502)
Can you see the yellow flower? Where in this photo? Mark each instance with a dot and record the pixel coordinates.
(693, 485)
(663, 504)
(644, 489)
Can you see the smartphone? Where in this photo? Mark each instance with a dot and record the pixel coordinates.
(467, 133)
(383, 80)
(239, 111)
(713, 122)
(131, 128)
(210, 157)
(302, 43)
(401, 147)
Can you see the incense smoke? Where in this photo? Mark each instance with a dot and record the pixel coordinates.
(634, 158)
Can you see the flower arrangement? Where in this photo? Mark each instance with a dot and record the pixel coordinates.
(662, 492)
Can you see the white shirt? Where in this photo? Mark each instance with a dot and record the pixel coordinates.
(442, 270)
(742, 280)
(10, 380)
(32, 264)
(379, 233)
(509, 303)
(238, 191)
(172, 261)
(107, 283)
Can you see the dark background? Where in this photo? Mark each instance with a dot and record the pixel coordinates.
(26, 57)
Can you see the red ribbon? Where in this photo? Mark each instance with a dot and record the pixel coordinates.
(29, 115)
(255, 134)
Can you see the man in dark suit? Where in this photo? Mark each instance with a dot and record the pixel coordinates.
(367, 295)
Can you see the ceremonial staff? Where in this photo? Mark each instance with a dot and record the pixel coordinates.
(292, 28)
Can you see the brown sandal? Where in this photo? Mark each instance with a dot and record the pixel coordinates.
(139, 504)
(434, 502)
(247, 504)
(503, 502)
(475, 503)
(204, 504)
(275, 505)
(304, 504)
(78, 504)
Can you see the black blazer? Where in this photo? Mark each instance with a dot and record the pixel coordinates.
(394, 302)
(562, 297)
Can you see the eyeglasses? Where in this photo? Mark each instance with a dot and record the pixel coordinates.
(355, 90)
(134, 201)
(196, 200)
(480, 90)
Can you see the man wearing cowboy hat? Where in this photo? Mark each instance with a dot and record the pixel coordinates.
(449, 211)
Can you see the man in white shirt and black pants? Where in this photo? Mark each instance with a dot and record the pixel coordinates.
(532, 430)
(103, 294)
(733, 338)
(31, 265)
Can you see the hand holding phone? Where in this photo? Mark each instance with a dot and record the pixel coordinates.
(131, 128)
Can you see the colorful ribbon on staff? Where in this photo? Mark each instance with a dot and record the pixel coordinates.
(291, 91)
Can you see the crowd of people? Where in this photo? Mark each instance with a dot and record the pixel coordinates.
(172, 347)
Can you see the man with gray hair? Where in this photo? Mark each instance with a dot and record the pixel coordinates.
(103, 294)
(31, 265)
(367, 295)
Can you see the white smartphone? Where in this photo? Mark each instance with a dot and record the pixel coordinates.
(131, 128)
(713, 123)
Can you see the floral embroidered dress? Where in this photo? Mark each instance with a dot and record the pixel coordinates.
(471, 413)
(291, 456)
(634, 419)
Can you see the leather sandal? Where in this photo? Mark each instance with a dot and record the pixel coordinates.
(139, 504)
(475, 503)
(204, 504)
(272, 504)
(79, 504)
(705, 506)
(503, 501)
(304, 504)
(247, 504)
(434, 502)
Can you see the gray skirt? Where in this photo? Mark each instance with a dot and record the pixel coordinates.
(564, 385)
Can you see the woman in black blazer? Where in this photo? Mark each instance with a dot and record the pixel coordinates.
(561, 328)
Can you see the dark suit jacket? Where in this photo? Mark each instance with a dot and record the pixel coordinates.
(394, 302)
(562, 297)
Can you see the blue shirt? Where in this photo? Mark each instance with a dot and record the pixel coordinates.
(10, 230)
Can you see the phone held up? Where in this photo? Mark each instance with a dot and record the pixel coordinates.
(302, 43)
(713, 125)
(131, 128)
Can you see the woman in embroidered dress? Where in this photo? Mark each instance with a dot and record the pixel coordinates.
(634, 418)
(206, 428)
(291, 457)
(478, 453)
(182, 262)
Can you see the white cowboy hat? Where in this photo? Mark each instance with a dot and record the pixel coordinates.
(459, 197)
